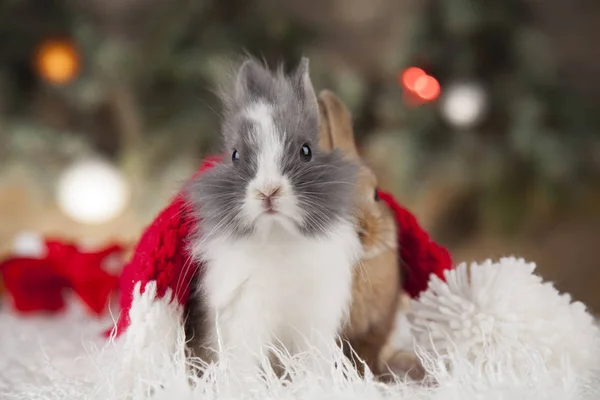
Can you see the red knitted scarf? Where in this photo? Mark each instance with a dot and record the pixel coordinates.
(161, 253)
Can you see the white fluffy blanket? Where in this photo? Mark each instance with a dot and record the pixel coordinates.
(495, 331)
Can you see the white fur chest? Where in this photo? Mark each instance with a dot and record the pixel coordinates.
(280, 288)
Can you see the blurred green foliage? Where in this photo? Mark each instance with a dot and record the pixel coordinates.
(144, 97)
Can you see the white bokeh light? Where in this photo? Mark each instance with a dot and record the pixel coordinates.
(464, 105)
(92, 191)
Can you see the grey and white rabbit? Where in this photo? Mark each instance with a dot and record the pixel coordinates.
(276, 234)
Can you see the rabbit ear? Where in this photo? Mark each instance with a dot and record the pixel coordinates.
(252, 82)
(302, 82)
(324, 128)
(336, 131)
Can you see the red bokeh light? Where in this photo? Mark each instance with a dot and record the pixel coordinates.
(427, 87)
(409, 77)
(419, 86)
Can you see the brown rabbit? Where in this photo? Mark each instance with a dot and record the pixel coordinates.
(377, 280)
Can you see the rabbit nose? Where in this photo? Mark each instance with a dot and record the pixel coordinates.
(267, 196)
(269, 192)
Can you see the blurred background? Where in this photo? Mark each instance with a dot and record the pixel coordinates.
(482, 116)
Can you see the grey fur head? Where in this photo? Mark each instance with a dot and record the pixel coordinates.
(269, 118)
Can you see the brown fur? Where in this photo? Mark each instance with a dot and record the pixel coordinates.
(377, 280)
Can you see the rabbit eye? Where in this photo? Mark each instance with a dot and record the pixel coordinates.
(305, 153)
(376, 195)
(235, 157)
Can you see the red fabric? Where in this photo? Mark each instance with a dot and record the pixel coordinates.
(420, 256)
(161, 254)
(38, 284)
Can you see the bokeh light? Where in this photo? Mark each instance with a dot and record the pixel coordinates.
(57, 61)
(92, 192)
(427, 88)
(409, 77)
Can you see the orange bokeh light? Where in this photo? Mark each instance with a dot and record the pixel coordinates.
(410, 76)
(57, 61)
(427, 87)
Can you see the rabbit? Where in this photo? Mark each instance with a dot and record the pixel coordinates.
(376, 287)
(275, 238)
